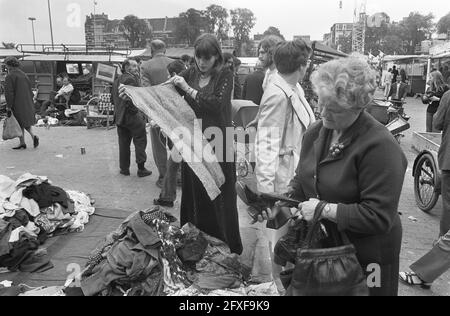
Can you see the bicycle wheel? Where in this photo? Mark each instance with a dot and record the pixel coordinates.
(425, 180)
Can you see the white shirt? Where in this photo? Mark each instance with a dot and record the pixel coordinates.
(65, 90)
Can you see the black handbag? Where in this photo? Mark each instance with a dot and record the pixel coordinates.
(333, 270)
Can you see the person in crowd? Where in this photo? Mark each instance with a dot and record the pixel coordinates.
(65, 91)
(387, 83)
(207, 88)
(49, 106)
(403, 75)
(169, 188)
(186, 59)
(154, 72)
(436, 262)
(130, 122)
(19, 100)
(266, 50)
(230, 63)
(252, 89)
(398, 91)
(351, 161)
(395, 74)
(284, 117)
(446, 74)
(435, 92)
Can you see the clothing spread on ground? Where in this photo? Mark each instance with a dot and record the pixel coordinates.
(149, 256)
(31, 210)
(170, 111)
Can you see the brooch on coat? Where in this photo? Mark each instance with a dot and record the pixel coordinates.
(336, 149)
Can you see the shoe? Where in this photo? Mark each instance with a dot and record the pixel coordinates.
(125, 172)
(163, 203)
(159, 183)
(142, 173)
(20, 147)
(36, 142)
(411, 278)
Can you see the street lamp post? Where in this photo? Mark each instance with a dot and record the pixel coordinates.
(51, 26)
(32, 26)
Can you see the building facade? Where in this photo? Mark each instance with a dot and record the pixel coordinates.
(339, 31)
(102, 32)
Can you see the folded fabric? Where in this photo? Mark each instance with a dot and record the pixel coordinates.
(7, 187)
(46, 195)
(171, 112)
(5, 232)
(28, 179)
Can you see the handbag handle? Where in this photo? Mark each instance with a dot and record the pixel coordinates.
(315, 224)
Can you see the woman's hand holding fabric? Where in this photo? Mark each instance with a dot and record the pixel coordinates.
(181, 83)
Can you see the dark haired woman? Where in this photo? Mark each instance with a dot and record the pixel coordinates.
(19, 100)
(207, 88)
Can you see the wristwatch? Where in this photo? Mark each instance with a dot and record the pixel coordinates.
(326, 211)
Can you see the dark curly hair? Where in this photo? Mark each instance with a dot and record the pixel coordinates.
(12, 62)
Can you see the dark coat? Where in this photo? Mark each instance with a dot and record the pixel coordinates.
(441, 122)
(253, 89)
(366, 181)
(402, 93)
(122, 107)
(218, 218)
(19, 97)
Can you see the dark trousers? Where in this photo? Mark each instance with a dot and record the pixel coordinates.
(169, 188)
(159, 150)
(436, 262)
(132, 129)
(445, 191)
(430, 128)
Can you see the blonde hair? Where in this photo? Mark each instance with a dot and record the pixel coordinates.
(350, 81)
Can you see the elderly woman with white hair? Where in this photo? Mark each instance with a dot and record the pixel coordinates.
(352, 163)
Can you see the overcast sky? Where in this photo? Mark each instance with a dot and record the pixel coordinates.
(292, 17)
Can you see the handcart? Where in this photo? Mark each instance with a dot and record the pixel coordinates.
(426, 172)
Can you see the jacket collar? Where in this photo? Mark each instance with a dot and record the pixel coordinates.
(346, 139)
(287, 89)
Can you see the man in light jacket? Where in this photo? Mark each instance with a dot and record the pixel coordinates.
(284, 117)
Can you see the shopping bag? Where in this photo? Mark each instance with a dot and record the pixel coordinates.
(11, 128)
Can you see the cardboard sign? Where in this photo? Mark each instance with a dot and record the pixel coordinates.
(106, 73)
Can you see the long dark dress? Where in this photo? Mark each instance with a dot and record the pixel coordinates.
(19, 97)
(218, 218)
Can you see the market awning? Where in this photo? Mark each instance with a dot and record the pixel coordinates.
(77, 58)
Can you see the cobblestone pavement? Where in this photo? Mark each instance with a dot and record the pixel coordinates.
(59, 157)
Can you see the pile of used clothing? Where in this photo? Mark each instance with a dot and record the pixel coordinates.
(149, 256)
(31, 210)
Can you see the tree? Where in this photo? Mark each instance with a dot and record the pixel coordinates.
(136, 31)
(344, 44)
(217, 21)
(9, 45)
(190, 26)
(443, 26)
(375, 37)
(414, 29)
(272, 30)
(242, 21)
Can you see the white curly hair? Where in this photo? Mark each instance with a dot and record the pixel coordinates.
(350, 81)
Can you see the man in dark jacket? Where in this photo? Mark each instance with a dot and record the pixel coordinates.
(253, 90)
(130, 122)
(153, 73)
